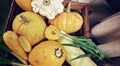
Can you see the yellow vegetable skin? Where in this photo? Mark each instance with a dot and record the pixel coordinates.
(52, 33)
(72, 52)
(30, 25)
(67, 21)
(25, 44)
(12, 41)
(24, 4)
(47, 53)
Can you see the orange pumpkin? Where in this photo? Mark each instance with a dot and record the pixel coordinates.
(69, 22)
(47, 53)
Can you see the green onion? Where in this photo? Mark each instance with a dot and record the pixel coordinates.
(81, 56)
(86, 44)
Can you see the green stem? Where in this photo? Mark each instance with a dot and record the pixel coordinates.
(64, 35)
(19, 58)
(3, 60)
(18, 64)
(14, 63)
(85, 44)
(3, 47)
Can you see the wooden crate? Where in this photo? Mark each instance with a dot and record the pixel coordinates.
(82, 8)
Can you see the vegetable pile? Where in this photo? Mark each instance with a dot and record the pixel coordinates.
(36, 41)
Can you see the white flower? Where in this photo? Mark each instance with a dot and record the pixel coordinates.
(48, 8)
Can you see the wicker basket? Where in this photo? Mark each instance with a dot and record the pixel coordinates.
(82, 8)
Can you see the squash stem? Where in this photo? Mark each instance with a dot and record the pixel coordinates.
(68, 7)
(24, 19)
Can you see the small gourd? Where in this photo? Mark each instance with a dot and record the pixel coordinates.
(25, 43)
(29, 25)
(69, 22)
(24, 4)
(47, 53)
(52, 33)
(48, 8)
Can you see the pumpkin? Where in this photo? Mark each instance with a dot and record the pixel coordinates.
(69, 22)
(48, 8)
(24, 4)
(47, 53)
(29, 25)
(52, 33)
(12, 41)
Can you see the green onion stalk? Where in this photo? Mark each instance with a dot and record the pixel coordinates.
(85, 44)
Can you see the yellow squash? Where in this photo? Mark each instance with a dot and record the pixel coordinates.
(25, 44)
(29, 25)
(52, 33)
(69, 22)
(12, 41)
(24, 4)
(47, 53)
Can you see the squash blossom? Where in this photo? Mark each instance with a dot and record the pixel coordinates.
(48, 8)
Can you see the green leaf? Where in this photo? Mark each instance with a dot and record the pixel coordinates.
(72, 45)
(81, 56)
(4, 60)
(5, 49)
(0, 39)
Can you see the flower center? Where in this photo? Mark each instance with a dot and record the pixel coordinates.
(46, 2)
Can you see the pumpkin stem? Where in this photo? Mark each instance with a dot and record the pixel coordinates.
(24, 19)
(68, 7)
(58, 52)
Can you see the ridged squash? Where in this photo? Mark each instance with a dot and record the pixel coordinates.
(68, 21)
(30, 25)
